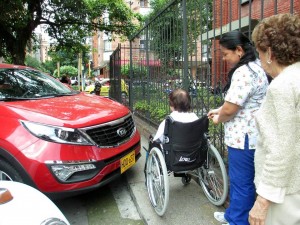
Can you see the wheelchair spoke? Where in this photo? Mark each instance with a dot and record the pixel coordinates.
(157, 183)
(215, 185)
(159, 188)
(213, 177)
(159, 196)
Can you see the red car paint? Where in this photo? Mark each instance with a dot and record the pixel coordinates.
(29, 156)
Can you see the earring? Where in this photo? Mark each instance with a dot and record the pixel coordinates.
(269, 61)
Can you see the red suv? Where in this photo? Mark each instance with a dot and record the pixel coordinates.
(58, 140)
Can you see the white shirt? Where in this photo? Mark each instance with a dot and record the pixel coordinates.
(184, 117)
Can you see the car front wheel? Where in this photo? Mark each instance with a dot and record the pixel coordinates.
(7, 172)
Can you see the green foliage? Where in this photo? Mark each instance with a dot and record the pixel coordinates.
(156, 111)
(69, 56)
(125, 71)
(75, 87)
(70, 70)
(137, 71)
(50, 66)
(166, 33)
(157, 6)
(142, 106)
(68, 22)
(158, 114)
(34, 63)
(158, 108)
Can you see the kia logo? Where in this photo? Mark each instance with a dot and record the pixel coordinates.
(121, 132)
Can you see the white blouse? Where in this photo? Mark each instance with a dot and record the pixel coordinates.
(184, 117)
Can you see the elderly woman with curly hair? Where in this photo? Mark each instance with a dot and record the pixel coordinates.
(277, 156)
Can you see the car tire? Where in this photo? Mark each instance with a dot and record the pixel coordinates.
(8, 172)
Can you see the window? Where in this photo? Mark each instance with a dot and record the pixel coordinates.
(106, 18)
(142, 44)
(107, 45)
(144, 3)
(244, 1)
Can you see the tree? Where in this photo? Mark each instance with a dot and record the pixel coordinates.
(68, 56)
(167, 30)
(50, 66)
(70, 70)
(66, 21)
(33, 62)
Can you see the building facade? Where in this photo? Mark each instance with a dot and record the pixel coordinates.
(103, 47)
(241, 15)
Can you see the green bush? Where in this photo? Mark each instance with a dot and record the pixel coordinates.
(141, 106)
(70, 70)
(156, 111)
(75, 87)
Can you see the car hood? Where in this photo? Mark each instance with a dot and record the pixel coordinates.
(74, 111)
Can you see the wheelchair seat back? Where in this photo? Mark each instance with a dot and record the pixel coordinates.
(186, 145)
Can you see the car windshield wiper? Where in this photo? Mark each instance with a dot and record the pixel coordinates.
(7, 99)
(52, 95)
(65, 94)
(36, 97)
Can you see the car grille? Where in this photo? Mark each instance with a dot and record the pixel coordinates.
(113, 133)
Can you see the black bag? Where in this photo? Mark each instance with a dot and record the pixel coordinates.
(186, 146)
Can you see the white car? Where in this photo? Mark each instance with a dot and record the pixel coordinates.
(22, 204)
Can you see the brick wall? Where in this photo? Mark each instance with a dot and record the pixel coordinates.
(226, 11)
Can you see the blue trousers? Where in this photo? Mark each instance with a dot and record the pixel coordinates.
(242, 188)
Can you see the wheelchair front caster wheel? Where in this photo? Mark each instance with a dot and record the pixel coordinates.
(186, 179)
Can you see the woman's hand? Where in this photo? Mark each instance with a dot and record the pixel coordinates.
(212, 113)
(215, 119)
(258, 213)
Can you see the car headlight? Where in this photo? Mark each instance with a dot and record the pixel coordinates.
(57, 134)
(53, 221)
(64, 172)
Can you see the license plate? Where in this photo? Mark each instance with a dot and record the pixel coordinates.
(127, 161)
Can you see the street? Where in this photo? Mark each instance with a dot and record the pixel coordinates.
(111, 204)
(125, 201)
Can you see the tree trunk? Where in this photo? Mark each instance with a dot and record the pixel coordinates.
(18, 57)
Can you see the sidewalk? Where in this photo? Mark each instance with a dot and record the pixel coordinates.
(187, 205)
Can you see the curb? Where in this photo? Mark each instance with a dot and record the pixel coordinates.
(144, 128)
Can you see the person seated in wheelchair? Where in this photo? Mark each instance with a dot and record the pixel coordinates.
(180, 106)
(181, 148)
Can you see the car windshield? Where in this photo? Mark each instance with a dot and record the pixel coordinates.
(17, 84)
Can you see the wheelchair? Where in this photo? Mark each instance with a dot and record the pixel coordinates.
(185, 152)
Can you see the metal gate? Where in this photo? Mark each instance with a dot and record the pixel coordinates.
(178, 47)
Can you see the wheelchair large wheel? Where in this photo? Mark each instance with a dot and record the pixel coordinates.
(157, 181)
(213, 177)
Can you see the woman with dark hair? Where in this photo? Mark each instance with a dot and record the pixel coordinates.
(244, 93)
(236, 41)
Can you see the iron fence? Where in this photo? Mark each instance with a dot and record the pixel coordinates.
(179, 48)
